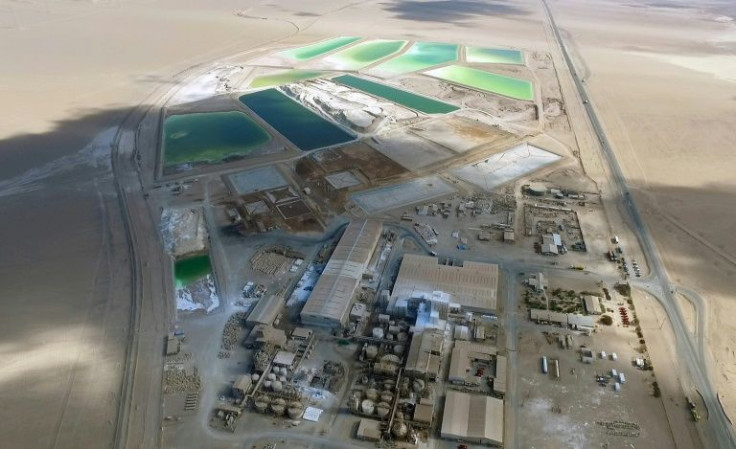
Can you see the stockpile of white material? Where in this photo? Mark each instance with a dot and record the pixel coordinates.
(183, 231)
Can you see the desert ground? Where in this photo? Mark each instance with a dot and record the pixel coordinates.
(660, 75)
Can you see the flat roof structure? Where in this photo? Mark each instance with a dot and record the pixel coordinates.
(265, 311)
(332, 296)
(499, 382)
(473, 418)
(343, 180)
(423, 412)
(464, 353)
(581, 322)
(548, 316)
(592, 305)
(474, 286)
(369, 430)
(425, 353)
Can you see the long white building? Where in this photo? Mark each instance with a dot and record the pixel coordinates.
(332, 296)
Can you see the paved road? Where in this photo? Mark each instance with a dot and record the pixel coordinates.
(690, 353)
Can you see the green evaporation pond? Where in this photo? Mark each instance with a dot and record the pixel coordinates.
(402, 97)
(487, 81)
(304, 128)
(210, 136)
(188, 271)
(493, 55)
(420, 56)
(281, 78)
(317, 49)
(364, 54)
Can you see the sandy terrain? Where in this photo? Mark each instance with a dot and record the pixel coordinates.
(674, 139)
(76, 68)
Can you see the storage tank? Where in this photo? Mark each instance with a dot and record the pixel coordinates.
(391, 358)
(378, 332)
(387, 396)
(277, 385)
(402, 337)
(393, 330)
(371, 394)
(371, 352)
(383, 409)
(399, 430)
(254, 377)
(295, 410)
(271, 376)
(282, 379)
(261, 406)
(354, 404)
(418, 385)
(267, 383)
(545, 369)
(398, 349)
(284, 371)
(275, 370)
(367, 407)
(278, 409)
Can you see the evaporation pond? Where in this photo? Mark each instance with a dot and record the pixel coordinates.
(402, 97)
(304, 128)
(188, 271)
(421, 55)
(318, 48)
(210, 137)
(487, 81)
(363, 54)
(281, 78)
(493, 55)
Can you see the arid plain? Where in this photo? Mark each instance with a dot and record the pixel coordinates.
(661, 77)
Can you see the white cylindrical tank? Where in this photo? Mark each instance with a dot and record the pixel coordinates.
(271, 376)
(367, 407)
(267, 383)
(282, 379)
(254, 377)
(378, 332)
(284, 371)
(277, 385)
(371, 352)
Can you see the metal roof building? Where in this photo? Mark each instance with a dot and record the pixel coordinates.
(330, 301)
(473, 286)
(265, 311)
(463, 355)
(592, 305)
(473, 418)
(499, 382)
(425, 353)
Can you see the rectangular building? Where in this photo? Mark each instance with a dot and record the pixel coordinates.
(332, 296)
(592, 305)
(473, 418)
(499, 382)
(474, 286)
(265, 311)
(464, 354)
(425, 354)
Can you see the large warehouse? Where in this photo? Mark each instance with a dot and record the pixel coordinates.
(330, 301)
(473, 418)
(473, 286)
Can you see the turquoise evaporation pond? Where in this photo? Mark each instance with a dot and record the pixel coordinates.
(364, 54)
(305, 129)
(210, 137)
(487, 81)
(286, 77)
(402, 97)
(421, 55)
(493, 55)
(188, 271)
(318, 48)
